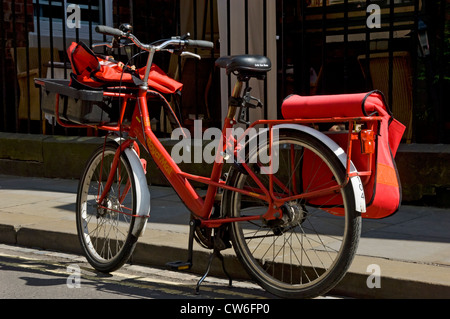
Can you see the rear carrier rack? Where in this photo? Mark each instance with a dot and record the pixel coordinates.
(85, 106)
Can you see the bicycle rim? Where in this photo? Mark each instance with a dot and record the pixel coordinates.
(104, 229)
(307, 251)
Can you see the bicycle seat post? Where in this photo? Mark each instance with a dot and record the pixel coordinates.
(151, 53)
(244, 67)
(229, 122)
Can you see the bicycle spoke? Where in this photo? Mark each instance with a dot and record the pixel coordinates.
(298, 248)
(105, 227)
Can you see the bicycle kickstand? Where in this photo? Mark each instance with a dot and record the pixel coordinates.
(217, 254)
(186, 265)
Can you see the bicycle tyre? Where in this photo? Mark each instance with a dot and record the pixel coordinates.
(105, 231)
(294, 269)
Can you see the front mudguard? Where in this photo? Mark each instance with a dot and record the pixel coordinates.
(142, 192)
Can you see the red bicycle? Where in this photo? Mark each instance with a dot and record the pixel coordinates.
(293, 220)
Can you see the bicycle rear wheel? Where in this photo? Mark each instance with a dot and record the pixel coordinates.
(307, 251)
(105, 229)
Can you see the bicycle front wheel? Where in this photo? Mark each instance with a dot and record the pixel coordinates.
(308, 250)
(105, 228)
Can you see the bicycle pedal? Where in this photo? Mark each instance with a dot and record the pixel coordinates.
(179, 265)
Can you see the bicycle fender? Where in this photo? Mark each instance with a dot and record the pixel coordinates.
(142, 192)
(358, 189)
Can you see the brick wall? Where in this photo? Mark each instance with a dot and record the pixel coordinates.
(16, 17)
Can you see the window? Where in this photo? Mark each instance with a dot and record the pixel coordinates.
(92, 13)
(358, 3)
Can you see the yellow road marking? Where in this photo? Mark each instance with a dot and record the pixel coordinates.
(136, 281)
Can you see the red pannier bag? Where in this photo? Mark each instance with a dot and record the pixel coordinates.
(382, 188)
(94, 71)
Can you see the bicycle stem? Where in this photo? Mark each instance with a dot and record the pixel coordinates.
(151, 54)
(114, 166)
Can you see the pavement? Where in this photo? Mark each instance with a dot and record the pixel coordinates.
(410, 250)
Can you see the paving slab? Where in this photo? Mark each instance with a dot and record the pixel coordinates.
(411, 248)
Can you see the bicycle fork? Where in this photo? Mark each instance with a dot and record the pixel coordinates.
(114, 166)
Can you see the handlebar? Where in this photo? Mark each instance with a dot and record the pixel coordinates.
(201, 44)
(177, 42)
(103, 29)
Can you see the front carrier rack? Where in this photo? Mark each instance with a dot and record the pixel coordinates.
(85, 107)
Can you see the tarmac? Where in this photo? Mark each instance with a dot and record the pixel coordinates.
(406, 255)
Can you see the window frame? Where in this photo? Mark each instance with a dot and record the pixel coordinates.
(105, 6)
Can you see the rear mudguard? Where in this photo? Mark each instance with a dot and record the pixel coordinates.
(142, 191)
(358, 189)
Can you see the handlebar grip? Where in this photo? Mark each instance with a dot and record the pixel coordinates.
(200, 44)
(109, 31)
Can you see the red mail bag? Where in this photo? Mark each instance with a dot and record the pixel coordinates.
(96, 71)
(382, 188)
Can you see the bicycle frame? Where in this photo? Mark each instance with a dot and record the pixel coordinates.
(201, 207)
(282, 181)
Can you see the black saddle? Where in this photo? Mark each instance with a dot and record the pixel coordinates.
(245, 66)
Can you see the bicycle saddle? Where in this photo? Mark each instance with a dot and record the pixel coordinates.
(245, 65)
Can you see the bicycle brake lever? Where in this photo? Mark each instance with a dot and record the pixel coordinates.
(102, 44)
(190, 55)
